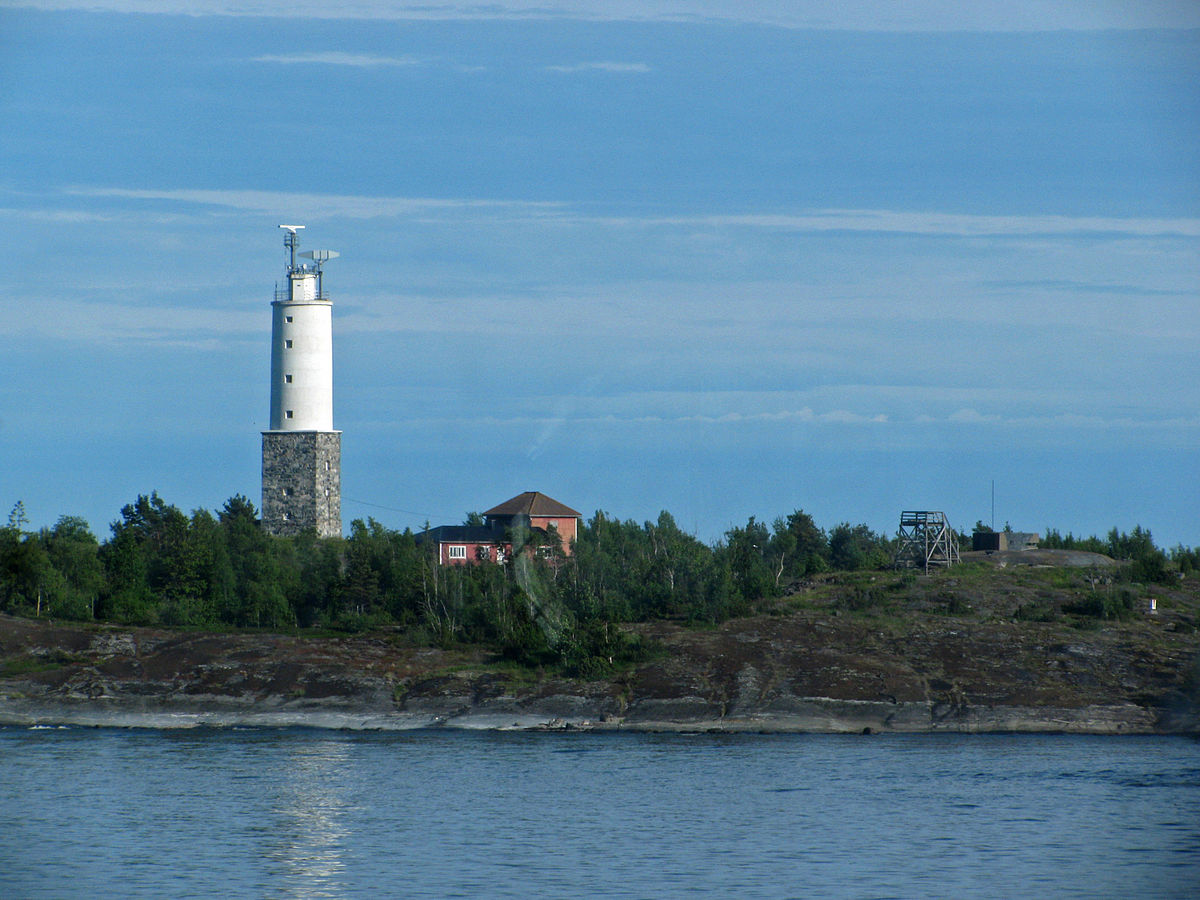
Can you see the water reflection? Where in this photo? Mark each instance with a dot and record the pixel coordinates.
(309, 840)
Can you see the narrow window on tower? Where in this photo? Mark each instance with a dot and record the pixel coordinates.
(288, 413)
(287, 319)
(287, 379)
(288, 344)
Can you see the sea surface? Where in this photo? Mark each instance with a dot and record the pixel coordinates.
(307, 813)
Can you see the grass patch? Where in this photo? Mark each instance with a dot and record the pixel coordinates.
(34, 663)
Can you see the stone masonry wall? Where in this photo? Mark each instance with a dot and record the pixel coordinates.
(302, 482)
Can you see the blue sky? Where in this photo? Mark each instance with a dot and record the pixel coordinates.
(724, 259)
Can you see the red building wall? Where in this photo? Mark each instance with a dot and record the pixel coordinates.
(473, 554)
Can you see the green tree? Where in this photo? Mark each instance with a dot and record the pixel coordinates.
(158, 567)
(26, 573)
(127, 597)
(797, 547)
(745, 551)
(74, 553)
(853, 547)
(264, 570)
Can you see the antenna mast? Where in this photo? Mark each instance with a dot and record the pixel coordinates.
(291, 240)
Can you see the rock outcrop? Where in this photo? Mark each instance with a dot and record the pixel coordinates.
(806, 671)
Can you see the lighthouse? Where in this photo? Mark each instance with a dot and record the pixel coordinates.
(302, 453)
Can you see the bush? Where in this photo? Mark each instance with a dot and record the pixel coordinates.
(1153, 568)
(1104, 606)
(1035, 612)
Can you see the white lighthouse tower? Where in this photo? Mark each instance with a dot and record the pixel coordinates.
(302, 454)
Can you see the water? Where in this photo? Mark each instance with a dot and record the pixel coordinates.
(300, 813)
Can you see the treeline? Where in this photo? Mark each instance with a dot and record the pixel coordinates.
(162, 566)
(1148, 563)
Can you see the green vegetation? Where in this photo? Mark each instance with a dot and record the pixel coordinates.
(161, 566)
(31, 663)
(1148, 563)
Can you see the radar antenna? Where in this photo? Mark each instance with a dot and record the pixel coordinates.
(319, 257)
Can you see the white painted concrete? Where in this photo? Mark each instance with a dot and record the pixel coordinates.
(302, 348)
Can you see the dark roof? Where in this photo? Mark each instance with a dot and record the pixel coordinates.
(533, 503)
(466, 534)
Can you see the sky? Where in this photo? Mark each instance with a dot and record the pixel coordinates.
(724, 259)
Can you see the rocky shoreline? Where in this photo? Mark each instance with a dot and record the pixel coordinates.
(812, 716)
(797, 673)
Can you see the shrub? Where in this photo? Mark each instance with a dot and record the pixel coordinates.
(1104, 606)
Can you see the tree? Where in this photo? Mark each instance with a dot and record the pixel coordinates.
(25, 569)
(74, 553)
(797, 547)
(745, 550)
(853, 547)
(157, 567)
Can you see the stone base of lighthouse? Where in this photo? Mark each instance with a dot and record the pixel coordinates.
(302, 482)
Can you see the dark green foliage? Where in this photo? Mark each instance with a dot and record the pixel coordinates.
(622, 571)
(797, 547)
(545, 607)
(74, 554)
(745, 553)
(160, 565)
(26, 573)
(599, 649)
(1186, 559)
(1035, 612)
(854, 547)
(37, 662)
(1152, 567)
(1052, 540)
(858, 598)
(1104, 605)
(1148, 564)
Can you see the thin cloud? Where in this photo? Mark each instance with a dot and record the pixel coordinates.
(334, 58)
(836, 417)
(323, 205)
(882, 221)
(619, 68)
(926, 223)
(195, 326)
(57, 216)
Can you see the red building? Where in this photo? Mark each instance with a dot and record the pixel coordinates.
(530, 520)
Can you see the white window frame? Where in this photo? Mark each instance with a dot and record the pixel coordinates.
(456, 551)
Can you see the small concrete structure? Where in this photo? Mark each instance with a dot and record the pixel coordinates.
(995, 541)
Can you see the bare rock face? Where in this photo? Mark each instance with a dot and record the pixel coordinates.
(114, 644)
(806, 671)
